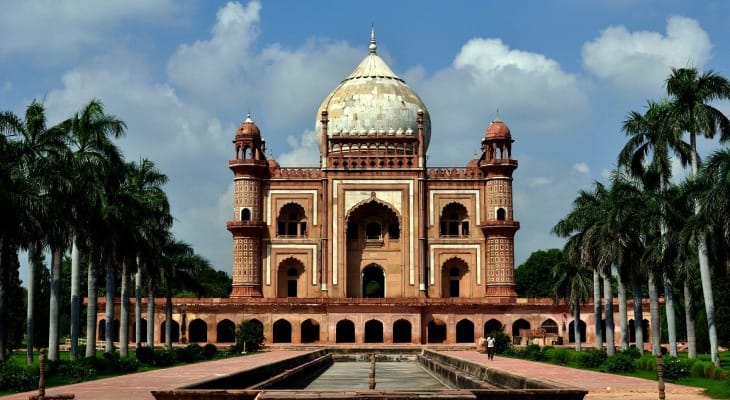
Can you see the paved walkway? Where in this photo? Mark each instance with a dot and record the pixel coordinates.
(601, 386)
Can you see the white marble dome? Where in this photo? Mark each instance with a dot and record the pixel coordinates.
(371, 100)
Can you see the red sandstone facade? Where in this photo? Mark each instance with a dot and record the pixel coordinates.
(372, 246)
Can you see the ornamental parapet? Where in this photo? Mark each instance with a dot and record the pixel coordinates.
(454, 173)
(297, 173)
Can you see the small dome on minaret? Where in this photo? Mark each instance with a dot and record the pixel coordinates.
(273, 164)
(498, 130)
(248, 128)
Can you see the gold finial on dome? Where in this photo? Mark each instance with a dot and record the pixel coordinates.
(373, 46)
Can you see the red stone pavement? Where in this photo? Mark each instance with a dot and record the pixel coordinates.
(138, 386)
(599, 385)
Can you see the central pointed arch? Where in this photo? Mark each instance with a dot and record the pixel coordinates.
(372, 226)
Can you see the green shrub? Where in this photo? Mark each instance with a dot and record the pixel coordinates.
(675, 369)
(708, 370)
(209, 351)
(632, 352)
(165, 358)
(502, 341)
(17, 378)
(145, 355)
(191, 353)
(250, 333)
(621, 363)
(78, 370)
(561, 356)
(592, 359)
(119, 364)
(647, 362)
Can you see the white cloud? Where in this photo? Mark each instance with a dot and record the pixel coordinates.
(216, 69)
(540, 180)
(53, 30)
(305, 151)
(582, 168)
(485, 76)
(640, 61)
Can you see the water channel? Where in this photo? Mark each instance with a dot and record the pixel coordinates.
(354, 375)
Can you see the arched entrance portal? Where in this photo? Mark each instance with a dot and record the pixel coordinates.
(372, 227)
(581, 329)
(464, 331)
(282, 331)
(401, 331)
(373, 281)
(436, 331)
(345, 332)
(310, 331)
(373, 331)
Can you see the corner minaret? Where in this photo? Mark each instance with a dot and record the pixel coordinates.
(499, 226)
(249, 168)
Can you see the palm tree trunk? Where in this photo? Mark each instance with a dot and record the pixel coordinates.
(689, 319)
(576, 327)
(638, 310)
(610, 327)
(33, 254)
(4, 267)
(597, 308)
(168, 321)
(622, 314)
(109, 323)
(656, 327)
(138, 307)
(150, 315)
(705, 273)
(75, 297)
(91, 295)
(671, 317)
(53, 305)
(124, 314)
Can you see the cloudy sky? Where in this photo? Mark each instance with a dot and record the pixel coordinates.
(183, 75)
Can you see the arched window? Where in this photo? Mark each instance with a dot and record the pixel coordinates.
(454, 221)
(292, 221)
(374, 231)
(245, 214)
(292, 276)
(454, 276)
(501, 214)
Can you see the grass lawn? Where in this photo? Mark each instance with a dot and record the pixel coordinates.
(18, 358)
(715, 388)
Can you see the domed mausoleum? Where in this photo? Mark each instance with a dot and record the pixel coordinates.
(373, 245)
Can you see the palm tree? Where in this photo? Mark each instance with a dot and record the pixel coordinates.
(652, 136)
(29, 149)
(691, 95)
(148, 208)
(93, 154)
(583, 226)
(572, 284)
(176, 258)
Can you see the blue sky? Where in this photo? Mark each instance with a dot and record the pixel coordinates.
(183, 75)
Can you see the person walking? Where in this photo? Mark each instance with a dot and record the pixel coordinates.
(490, 348)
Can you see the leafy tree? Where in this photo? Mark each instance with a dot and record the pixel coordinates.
(531, 277)
(250, 335)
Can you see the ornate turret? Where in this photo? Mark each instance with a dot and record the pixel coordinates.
(499, 226)
(247, 226)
